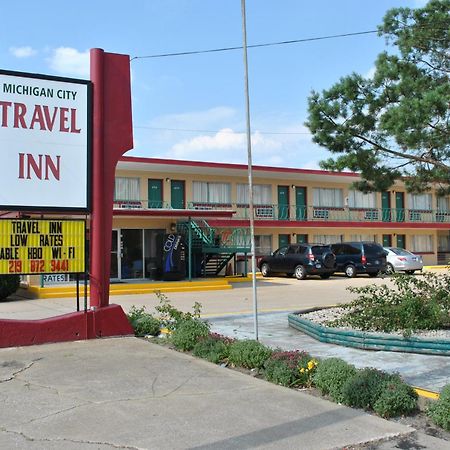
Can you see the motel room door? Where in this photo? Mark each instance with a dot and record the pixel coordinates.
(283, 202)
(177, 194)
(155, 195)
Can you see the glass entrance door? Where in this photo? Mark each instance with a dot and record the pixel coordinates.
(132, 261)
(115, 256)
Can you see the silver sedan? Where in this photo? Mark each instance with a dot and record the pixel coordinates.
(400, 260)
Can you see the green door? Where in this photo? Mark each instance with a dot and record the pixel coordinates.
(283, 240)
(177, 194)
(302, 238)
(387, 240)
(300, 203)
(386, 206)
(401, 240)
(400, 206)
(155, 194)
(283, 202)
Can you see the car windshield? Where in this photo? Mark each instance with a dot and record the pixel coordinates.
(400, 252)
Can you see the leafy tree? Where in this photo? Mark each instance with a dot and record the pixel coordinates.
(395, 124)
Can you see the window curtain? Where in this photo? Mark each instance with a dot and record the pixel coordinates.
(358, 199)
(263, 244)
(205, 192)
(443, 203)
(127, 189)
(420, 201)
(262, 194)
(422, 243)
(327, 238)
(362, 237)
(327, 197)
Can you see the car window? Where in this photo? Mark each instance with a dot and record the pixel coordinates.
(319, 249)
(281, 251)
(301, 249)
(352, 249)
(401, 252)
(337, 249)
(291, 250)
(373, 249)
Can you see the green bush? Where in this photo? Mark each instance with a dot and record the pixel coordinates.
(283, 367)
(142, 322)
(439, 412)
(249, 354)
(212, 349)
(414, 303)
(396, 398)
(365, 387)
(331, 375)
(8, 285)
(188, 332)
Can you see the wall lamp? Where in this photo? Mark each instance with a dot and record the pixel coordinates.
(167, 180)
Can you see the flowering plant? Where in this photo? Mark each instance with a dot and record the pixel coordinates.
(306, 370)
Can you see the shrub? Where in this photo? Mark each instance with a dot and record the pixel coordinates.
(8, 285)
(413, 304)
(213, 349)
(331, 375)
(364, 388)
(142, 322)
(249, 354)
(283, 367)
(188, 332)
(439, 412)
(396, 398)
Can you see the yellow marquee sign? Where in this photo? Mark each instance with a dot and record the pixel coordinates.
(29, 246)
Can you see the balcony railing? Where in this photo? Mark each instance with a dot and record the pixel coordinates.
(303, 213)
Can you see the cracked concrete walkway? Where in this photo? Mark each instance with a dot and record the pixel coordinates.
(130, 394)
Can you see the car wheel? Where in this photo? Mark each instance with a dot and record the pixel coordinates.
(373, 274)
(300, 272)
(265, 270)
(350, 271)
(390, 269)
(409, 272)
(325, 276)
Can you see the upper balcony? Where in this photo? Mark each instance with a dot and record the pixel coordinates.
(293, 213)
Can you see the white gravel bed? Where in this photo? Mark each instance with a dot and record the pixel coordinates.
(324, 315)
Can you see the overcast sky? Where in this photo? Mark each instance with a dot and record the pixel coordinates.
(192, 107)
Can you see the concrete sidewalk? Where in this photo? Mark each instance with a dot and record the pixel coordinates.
(128, 393)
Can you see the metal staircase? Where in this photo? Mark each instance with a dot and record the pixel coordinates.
(212, 250)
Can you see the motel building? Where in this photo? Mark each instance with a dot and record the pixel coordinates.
(207, 205)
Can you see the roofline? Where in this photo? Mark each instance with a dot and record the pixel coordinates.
(178, 162)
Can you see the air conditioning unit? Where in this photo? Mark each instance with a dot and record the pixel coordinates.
(321, 213)
(371, 215)
(264, 212)
(203, 207)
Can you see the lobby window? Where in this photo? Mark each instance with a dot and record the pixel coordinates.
(358, 199)
(420, 202)
(127, 189)
(422, 243)
(262, 194)
(206, 192)
(330, 198)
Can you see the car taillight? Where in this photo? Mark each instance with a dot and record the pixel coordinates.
(401, 258)
(363, 259)
(311, 257)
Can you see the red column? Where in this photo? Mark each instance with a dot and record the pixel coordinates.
(112, 137)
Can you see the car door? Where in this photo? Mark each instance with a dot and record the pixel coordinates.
(278, 260)
(291, 259)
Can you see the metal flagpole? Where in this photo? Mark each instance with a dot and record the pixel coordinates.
(250, 174)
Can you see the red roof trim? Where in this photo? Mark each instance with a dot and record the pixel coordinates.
(177, 162)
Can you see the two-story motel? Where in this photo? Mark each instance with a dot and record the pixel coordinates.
(208, 203)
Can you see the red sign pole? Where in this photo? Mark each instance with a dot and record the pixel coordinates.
(113, 136)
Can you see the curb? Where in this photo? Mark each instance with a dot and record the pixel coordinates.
(367, 340)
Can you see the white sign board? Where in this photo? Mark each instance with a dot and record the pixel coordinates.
(45, 134)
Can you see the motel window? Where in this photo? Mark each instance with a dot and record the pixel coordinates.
(420, 202)
(422, 243)
(262, 194)
(444, 243)
(358, 199)
(127, 189)
(443, 203)
(327, 238)
(324, 197)
(363, 237)
(263, 244)
(206, 192)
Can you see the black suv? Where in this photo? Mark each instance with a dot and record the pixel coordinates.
(300, 260)
(359, 257)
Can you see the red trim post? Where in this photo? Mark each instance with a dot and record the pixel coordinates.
(112, 137)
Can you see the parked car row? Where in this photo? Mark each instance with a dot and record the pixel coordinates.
(350, 258)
